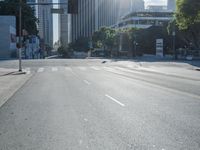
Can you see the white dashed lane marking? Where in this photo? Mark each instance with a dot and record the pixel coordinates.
(95, 68)
(87, 82)
(113, 99)
(54, 69)
(40, 70)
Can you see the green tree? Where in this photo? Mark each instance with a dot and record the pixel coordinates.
(105, 37)
(188, 19)
(29, 21)
(63, 51)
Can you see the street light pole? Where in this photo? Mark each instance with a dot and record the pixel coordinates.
(20, 36)
(174, 40)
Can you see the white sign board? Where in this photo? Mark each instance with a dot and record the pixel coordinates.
(159, 47)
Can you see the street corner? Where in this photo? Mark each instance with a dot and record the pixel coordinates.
(11, 81)
(7, 71)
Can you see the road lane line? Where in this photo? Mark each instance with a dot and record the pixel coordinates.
(154, 85)
(68, 68)
(130, 66)
(95, 68)
(82, 68)
(113, 99)
(128, 70)
(40, 70)
(54, 69)
(87, 82)
(108, 68)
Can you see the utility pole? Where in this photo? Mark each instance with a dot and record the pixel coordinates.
(174, 40)
(20, 36)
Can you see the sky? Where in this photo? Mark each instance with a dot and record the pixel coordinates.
(55, 17)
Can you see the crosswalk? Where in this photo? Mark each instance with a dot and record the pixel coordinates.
(40, 70)
(79, 68)
(54, 69)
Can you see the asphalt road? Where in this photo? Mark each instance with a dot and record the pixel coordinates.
(87, 104)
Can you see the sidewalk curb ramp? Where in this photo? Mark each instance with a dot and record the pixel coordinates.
(10, 83)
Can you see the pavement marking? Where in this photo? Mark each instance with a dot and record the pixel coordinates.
(109, 68)
(123, 76)
(87, 82)
(130, 66)
(82, 68)
(54, 69)
(28, 70)
(85, 119)
(40, 70)
(68, 68)
(113, 99)
(95, 68)
(112, 70)
(128, 70)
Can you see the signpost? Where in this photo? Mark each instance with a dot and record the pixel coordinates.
(159, 48)
(20, 36)
(19, 46)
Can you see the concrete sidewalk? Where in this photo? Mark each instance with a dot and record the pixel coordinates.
(6, 71)
(10, 81)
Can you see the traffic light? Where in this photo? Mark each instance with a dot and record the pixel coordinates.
(72, 6)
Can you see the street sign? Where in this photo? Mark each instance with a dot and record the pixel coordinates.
(159, 47)
(57, 11)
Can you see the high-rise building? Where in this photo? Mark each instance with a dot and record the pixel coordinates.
(45, 25)
(127, 6)
(93, 14)
(137, 5)
(171, 5)
(64, 24)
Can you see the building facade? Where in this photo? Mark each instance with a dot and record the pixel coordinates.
(8, 38)
(45, 25)
(64, 24)
(137, 5)
(128, 6)
(157, 8)
(93, 14)
(171, 5)
(144, 20)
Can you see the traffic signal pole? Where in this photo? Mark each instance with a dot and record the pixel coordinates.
(20, 36)
(20, 28)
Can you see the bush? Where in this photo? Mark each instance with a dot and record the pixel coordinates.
(63, 51)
